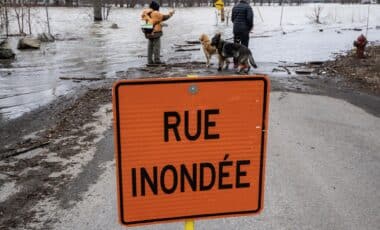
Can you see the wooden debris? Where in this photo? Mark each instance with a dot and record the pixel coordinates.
(304, 71)
(287, 70)
(194, 42)
(290, 66)
(24, 150)
(316, 63)
(144, 56)
(182, 45)
(185, 50)
(155, 65)
(331, 70)
(260, 36)
(82, 78)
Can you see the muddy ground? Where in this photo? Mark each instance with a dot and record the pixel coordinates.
(61, 131)
(358, 73)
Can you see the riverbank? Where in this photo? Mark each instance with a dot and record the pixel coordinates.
(357, 73)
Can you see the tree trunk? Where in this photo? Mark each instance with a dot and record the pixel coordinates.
(47, 16)
(69, 2)
(98, 10)
(6, 18)
(22, 15)
(29, 18)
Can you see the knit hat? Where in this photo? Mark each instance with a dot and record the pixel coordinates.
(154, 5)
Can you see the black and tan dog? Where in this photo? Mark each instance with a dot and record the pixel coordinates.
(240, 53)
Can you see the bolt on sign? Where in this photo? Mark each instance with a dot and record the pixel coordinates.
(189, 148)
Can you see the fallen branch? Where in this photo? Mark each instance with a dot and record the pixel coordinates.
(331, 70)
(23, 150)
(184, 50)
(286, 69)
(16, 35)
(144, 56)
(193, 42)
(304, 71)
(83, 78)
(183, 45)
(359, 28)
(316, 63)
(289, 66)
(260, 36)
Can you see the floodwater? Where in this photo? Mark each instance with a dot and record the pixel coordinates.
(89, 49)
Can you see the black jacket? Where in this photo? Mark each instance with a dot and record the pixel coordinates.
(242, 17)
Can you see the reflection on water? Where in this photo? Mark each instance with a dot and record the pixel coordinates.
(94, 49)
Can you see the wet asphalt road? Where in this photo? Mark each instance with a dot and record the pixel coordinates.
(323, 163)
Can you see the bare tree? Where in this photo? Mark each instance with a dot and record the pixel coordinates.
(316, 14)
(4, 7)
(29, 19)
(106, 8)
(98, 10)
(69, 3)
(47, 16)
(20, 15)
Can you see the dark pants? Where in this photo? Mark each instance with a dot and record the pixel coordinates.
(242, 38)
(154, 47)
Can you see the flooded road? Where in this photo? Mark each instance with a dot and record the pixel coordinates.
(88, 49)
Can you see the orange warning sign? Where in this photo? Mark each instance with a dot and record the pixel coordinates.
(190, 147)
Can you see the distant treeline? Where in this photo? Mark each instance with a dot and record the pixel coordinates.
(192, 3)
(169, 3)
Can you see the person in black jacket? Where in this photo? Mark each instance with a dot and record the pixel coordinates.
(242, 18)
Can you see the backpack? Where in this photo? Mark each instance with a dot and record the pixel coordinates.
(146, 27)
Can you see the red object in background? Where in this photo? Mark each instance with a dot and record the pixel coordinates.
(360, 44)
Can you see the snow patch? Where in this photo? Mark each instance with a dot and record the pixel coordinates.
(8, 189)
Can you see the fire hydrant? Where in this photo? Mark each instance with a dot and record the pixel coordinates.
(360, 44)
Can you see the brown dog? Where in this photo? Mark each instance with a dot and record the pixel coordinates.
(208, 49)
